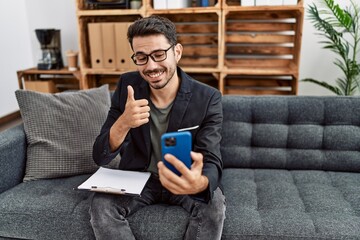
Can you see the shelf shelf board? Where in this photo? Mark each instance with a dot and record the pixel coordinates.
(260, 71)
(108, 12)
(200, 70)
(227, 71)
(115, 12)
(263, 8)
(35, 70)
(101, 71)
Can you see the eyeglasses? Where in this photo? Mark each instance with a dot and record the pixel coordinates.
(157, 56)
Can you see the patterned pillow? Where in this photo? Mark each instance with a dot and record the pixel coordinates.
(61, 129)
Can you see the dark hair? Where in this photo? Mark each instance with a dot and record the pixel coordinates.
(152, 25)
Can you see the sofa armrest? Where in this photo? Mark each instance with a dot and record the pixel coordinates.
(12, 157)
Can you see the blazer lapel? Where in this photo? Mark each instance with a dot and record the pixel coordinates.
(181, 102)
(145, 129)
(178, 111)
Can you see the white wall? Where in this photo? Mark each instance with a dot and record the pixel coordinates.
(19, 48)
(58, 14)
(15, 51)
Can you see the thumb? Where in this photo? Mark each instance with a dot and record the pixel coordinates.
(197, 157)
(130, 96)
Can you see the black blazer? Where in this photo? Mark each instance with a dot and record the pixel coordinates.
(195, 104)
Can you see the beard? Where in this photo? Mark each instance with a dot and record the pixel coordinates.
(168, 73)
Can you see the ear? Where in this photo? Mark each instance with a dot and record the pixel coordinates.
(178, 52)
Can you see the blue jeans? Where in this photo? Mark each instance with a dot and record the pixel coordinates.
(109, 211)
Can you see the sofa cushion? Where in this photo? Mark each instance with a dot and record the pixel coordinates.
(297, 204)
(291, 132)
(39, 209)
(61, 129)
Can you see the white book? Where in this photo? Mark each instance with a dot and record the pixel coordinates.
(160, 4)
(247, 2)
(174, 4)
(275, 2)
(116, 181)
(262, 2)
(269, 2)
(290, 2)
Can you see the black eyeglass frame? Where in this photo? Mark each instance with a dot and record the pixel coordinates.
(150, 55)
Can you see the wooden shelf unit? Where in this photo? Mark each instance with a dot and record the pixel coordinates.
(247, 50)
(261, 49)
(62, 79)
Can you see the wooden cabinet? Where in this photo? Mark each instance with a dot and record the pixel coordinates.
(238, 49)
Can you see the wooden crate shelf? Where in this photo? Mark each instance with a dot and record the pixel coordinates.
(261, 44)
(244, 49)
(262, 40)
(211, 79)
(258, 84)
(200, 35)
(84, 44)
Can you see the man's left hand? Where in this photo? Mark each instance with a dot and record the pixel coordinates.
(190, 182)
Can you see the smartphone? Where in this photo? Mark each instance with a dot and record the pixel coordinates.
(178, 144)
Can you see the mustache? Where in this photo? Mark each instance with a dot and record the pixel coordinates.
(154, 71)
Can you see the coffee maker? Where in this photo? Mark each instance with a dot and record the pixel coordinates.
(50, 43)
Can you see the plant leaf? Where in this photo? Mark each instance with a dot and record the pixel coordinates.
(341, 30)
(330, 87)
(342, 16)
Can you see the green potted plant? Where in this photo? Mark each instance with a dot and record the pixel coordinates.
(341, 29)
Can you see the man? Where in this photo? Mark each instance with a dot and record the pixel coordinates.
(161, 98)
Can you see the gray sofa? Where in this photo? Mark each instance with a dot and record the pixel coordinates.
(291, 171)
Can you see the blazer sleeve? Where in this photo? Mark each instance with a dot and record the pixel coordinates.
(102, 154)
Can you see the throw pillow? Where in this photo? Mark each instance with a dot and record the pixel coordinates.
(61, 129)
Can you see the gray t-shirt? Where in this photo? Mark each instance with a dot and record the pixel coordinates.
(159, 120)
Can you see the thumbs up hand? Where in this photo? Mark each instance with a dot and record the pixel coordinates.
(137, 112)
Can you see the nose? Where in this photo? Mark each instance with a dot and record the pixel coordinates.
(151, 63)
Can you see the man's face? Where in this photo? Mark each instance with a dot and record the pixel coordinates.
(157, 74)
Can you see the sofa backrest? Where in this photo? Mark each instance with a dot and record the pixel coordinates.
(291, 132)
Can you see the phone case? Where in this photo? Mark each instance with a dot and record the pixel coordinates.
(178, 144)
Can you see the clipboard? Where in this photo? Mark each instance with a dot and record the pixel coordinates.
(116, 181)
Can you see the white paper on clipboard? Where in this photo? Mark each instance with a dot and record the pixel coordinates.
(116, 181)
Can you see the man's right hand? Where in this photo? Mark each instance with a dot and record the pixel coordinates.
(136, 113)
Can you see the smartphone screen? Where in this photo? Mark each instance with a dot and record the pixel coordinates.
(178, 144)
